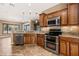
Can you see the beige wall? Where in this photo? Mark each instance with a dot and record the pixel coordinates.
(0, 28)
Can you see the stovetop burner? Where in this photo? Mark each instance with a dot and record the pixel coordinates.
(54, 32)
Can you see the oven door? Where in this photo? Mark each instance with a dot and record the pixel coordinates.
(53, 39)
(51, 45)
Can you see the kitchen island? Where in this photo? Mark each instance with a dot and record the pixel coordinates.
(30, 38)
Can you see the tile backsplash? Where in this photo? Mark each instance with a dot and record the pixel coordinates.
(70, 29)
(46, 29)
(74, 30)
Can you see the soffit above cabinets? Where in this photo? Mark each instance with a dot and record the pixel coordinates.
(22, 11)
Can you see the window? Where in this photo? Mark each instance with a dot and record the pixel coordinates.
(5, 28)
(8, 28)
(27, 27)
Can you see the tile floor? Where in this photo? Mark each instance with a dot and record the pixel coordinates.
(6, 49)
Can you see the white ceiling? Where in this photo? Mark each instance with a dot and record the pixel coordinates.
(20, 11)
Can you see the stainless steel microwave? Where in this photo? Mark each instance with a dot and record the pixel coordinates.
(54, 21)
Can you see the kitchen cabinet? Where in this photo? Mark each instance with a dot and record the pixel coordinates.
(64, 17)
(69, 15)
(33, 38)
(74, 49)
(43, 20)
(30, 38)
(73, 14)
(27, 38)
(41, 40)
(54, 14)
(63, 47)
(69, 46)
(62, 14)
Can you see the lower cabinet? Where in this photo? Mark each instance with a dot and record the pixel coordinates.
(63, 47)
(74, 50)
(41, 40)
(27, 38)
(69, 46)
(30, 38)
(33, 39)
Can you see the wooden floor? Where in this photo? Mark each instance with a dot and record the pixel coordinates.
(7, 49)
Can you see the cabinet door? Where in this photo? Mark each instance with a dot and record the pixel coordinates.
(68, 52)
(40, 40)
(27, 39)
(64, 17)
(63, 47)
(41, 19)
(73, 14)
(33, 39)
(45, 21)
(74, 49)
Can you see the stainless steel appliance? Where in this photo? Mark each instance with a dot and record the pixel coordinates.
(54, 21)
(52, 40)
(19, 39)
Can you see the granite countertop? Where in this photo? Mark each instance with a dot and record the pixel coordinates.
(33, 32)
(40, 33)
(68, 35)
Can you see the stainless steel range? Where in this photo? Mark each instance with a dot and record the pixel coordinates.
(52, 40)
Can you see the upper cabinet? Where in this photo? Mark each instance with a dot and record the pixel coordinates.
(73, 14)
(41, 17)
(62, 14)
(64, 17)
(69, 15)
(43, 20)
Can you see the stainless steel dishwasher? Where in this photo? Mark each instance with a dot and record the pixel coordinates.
(19, 39)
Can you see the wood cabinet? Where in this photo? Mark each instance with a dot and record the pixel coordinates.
(69, 15)
(54, 14)
(69, 46)
(30, 38)
(41, 40)
(74, 49)
(27, 38)
(43, 20)
(33, 38)
(64, 17)
(73, 14)
(63, 47)
(62, 14)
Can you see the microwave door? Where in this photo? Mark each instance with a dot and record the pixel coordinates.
(51, 22)
(56, 21)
